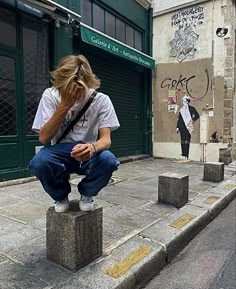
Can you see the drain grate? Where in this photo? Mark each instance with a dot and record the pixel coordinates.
(112, 181)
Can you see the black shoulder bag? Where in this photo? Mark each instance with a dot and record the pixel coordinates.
(78, 116)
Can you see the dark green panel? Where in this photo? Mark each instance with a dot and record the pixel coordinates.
(131, 10)
(74, 5)
(11, 174)
(63, 42)
(9, 155)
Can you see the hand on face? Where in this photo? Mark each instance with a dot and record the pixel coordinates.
(70, 95)
(82, 152)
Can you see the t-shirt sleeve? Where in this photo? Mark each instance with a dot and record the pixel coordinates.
(45, 110)
(107, 116)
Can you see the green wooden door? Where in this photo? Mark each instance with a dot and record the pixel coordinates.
(23, 77)
(10, 124)
(124, 82)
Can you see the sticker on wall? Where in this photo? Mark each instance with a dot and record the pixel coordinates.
(172, 101)
(172, 97)
(173, 108)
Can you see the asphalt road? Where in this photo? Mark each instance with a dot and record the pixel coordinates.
(208, 262)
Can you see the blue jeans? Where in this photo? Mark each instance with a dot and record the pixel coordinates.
(53, 166)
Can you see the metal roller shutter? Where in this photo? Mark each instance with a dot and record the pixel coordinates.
(123, 81)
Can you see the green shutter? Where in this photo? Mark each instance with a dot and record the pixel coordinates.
(123, 81)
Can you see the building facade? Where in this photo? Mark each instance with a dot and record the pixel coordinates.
(116, 37)
(194, 48)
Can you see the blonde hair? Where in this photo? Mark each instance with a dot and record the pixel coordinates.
(74, 68)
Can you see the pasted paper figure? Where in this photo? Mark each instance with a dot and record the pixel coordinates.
(187, 116)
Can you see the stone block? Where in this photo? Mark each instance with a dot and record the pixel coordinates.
(173, 189)
(213, 172)
(74, 238)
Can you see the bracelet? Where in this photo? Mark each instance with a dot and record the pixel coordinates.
(93, 148)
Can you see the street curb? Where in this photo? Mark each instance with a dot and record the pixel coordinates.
(17, 182)
(163, 240)
(226, 192)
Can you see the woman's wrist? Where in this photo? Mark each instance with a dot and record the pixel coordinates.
(93, 148)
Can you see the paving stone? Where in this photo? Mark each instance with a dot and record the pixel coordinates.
(50, 272)
(134, 218)
(31, 252)
(14, 234)
(6, 200)
(114, 231)
(39, 223)
(2, 258)
(120, 197)
(14, 276)
(25, 211)
(142, 179)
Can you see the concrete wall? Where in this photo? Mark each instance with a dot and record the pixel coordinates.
(194, 79)
(193, 60)
(161, 6)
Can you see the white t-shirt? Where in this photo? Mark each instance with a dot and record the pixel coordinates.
(100, 114)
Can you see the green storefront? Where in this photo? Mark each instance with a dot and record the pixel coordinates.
(114, 35)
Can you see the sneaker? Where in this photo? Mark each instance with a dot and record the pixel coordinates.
(62, 206)
(86, 203)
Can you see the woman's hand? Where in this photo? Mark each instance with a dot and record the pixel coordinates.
(69, 96)
(82, 152)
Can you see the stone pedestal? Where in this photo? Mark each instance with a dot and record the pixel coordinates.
(173, 189)
(74, 238)
(213, 172)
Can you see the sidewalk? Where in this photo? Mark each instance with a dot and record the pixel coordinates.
(140, 235)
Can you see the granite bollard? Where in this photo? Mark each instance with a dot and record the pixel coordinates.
(74, 238)
(173, 189)
(213, 172)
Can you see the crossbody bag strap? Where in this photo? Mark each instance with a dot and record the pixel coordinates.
(78, 116)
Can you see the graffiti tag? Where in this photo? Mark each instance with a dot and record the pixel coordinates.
(192, 16)
(184, 82)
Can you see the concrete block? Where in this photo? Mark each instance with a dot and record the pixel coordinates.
(173, 189)
(213, 172)
(74, 238)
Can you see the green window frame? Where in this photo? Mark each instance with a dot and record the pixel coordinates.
(88, 17)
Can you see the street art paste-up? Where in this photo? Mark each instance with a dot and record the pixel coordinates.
(184, 44)
(172, 101)
(187, 116)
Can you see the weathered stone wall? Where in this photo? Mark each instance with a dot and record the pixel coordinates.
(228, 11)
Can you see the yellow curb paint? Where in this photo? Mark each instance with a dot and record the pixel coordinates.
(229, 186)
(182, 221)
(119, 269)
(211, 200)
(182, 161)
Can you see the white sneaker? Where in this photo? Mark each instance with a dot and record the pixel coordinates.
(62, 206)
(86, 203)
